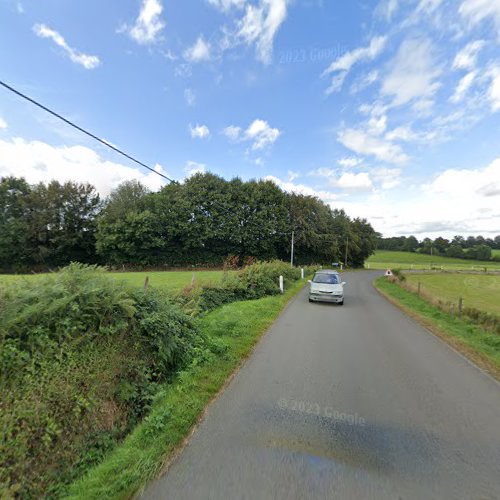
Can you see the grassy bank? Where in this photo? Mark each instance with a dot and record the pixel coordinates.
(481, 291)
(481, 347)
(234, 328)
(383, 259)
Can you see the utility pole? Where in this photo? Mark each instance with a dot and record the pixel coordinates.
(291, 258)
(346, 247)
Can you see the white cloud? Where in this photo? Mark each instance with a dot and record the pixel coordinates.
(85, 60)
(38, 161)
(192, 167)
(200, 51)
(302, 189)
(292, 175)
(494, 90)
(377, 125)
(232, 132)
(225, 5)
(365, 81)
(387, 8)
(467, 183)
(441, 208)
(412, 74)
(466, 58)
(344, 63)
(388, 178)
(258, 25)
(428, 6)
(262, 134)
(199, 131)
(148, 25)
(190, 97)
(463, 86)
(3, 124)
(361, 142)
(355, 182)
(476, 11)
(349, 162)
(336, 83)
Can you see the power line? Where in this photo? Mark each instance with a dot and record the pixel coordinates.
(90, 134)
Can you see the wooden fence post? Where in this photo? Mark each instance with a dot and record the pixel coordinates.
(460, 305)
(193, 280)
(146, 284)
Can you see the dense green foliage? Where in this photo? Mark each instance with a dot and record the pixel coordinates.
(476, 248)
(202, 221)
(82, 355)
(46, 226)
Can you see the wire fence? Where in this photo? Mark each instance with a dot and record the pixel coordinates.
(458, 308)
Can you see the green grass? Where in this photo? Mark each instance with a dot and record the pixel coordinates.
(484, 345)
(179, 405)
(167, 280)
(495, 252)
(481, 291)
(383, 259)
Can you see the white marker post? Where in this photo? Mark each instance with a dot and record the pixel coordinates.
(282, 288)
(302, 273)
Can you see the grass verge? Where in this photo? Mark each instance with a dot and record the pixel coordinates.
(179, 406)
(481, 347)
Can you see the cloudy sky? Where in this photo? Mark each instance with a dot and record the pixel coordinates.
(390, 110)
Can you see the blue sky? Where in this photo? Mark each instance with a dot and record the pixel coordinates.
(390, 110)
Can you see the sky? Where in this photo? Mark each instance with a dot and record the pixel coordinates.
(388, 109)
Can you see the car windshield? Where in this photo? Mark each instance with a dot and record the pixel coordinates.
(330, 279)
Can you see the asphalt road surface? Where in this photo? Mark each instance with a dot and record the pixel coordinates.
(355, 401)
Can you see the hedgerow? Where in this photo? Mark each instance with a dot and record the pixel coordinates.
(81, 357)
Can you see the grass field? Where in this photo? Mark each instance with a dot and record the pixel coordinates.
(384, 259)
(495, 253)
(479, 291)
(168, 280)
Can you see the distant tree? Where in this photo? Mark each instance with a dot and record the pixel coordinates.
(47, 225)
(411, 244)
(458, 241)
(454, 251)
(440, 245)
(14, 233)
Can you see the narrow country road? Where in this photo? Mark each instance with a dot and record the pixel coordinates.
(350, 402)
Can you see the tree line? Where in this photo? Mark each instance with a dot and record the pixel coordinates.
(202, 222)
(472, 247)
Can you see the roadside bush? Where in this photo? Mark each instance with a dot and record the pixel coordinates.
(81, 358)
(398, 275)
(262, 278)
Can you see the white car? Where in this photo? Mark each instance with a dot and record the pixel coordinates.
(327, 287)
